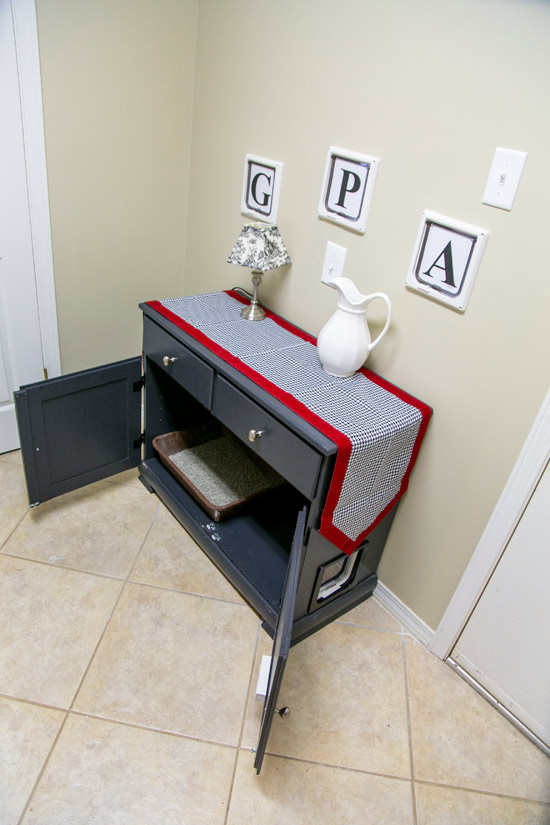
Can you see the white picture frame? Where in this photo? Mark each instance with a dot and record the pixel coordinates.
(446, 258)
(348, 184)
(261, 188)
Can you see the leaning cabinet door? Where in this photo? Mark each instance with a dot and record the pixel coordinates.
(282, 638)
(80, 428)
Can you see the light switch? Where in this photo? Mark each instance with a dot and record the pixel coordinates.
(504, 178)
(333, 266)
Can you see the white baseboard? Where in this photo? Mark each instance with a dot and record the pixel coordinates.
(403, 614)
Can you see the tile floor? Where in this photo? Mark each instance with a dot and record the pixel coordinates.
(127, 675)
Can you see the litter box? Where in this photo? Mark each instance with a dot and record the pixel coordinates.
(220, 472)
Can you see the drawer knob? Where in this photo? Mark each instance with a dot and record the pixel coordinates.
(167, 360)
(254, 434)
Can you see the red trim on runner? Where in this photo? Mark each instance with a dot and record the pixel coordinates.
(327, 528)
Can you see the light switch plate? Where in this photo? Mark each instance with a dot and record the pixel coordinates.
(504, 178)
(333, 265)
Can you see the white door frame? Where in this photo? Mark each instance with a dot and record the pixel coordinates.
(26, 46)
(520, 487)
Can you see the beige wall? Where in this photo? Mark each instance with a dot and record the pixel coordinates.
(117, 80)
(430, 87)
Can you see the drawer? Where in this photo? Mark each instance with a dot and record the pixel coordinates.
(295, 460)
(190, 371)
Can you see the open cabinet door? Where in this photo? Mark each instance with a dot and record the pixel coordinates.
(282, 638)
(79, 428)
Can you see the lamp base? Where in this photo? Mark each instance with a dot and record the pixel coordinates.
(254, 312)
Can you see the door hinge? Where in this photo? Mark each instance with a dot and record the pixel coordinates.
(45, 373)
(139, 384)
(139, 441)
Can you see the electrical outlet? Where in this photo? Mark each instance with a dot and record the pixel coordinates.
(504, 178)
(333, 266)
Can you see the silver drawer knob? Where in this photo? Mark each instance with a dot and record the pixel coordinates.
(254, 434)
(167, 360)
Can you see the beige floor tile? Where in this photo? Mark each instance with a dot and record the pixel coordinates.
(27, 733)
(170, 558)
(447, 806)
(50, 623)
(175, 662)
(459, 739)
(372, 614)
(99, 529)
(106, 774)
(346, 691)
(13, 500)
(288, 792)
(14, 457)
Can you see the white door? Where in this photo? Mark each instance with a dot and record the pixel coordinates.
(505, 643)
(21, 355)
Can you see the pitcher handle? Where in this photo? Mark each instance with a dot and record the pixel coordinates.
(387, 301)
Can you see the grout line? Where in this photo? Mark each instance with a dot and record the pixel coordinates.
(370, 627)
(143, 543)
(43, 768)
(112, 612)
(125, 579)
(243, 722)
(148, 729)
(101, 637)
(8, 537)
(171, 589)
(56, 566)
(122, 579)
(409, 728)
(35, 704)
(335, 766)
(432, 784)
(175, 734)
(111, 721)
(186, 592)
(62, 726)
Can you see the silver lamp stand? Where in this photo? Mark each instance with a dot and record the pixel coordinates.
(254, 312)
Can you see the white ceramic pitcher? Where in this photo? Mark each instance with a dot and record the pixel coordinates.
(344, 342)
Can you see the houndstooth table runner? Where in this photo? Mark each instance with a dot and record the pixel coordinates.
(377, 427)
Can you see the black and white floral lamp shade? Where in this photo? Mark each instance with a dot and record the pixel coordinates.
(259, 247)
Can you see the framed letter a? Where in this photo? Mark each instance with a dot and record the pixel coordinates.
(445, 259)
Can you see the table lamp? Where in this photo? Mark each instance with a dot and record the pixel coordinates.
(259, 247)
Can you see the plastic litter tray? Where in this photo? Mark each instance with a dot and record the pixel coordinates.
(220, 472)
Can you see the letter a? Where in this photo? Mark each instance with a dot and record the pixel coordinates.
(447, 267)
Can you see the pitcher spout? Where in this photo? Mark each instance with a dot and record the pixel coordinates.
(349, 297)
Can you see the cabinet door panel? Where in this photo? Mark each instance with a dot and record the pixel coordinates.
(80, 428)
(283, 635)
